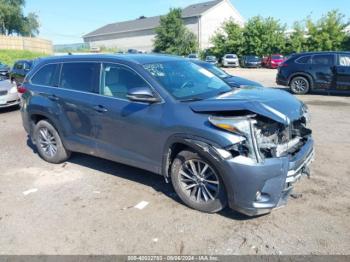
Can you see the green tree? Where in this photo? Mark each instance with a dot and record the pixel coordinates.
(297, 40)
(263, 36)
(229, 39)
(12, 20)
(173, 37)
(31, 25)
(328, 33)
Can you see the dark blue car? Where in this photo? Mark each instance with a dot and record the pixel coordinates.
(233, 81)
(218, 145)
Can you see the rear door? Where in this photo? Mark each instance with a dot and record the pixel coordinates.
(342, 71)
(78, 88)
(323, 71)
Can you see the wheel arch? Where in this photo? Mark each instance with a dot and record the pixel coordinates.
(36, 117)
(180, 142)
(302, 74)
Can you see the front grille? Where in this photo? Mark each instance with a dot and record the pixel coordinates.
(3, 93)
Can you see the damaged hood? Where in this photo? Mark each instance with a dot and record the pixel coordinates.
(275, 104)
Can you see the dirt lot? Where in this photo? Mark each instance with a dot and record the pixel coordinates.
(85, 206)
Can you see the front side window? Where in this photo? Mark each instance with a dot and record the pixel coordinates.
(117, 80)
(80, 76)
(46, 76)
(323, 60)
(187, 81)
(344, 60)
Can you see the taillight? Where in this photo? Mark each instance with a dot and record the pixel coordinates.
(21, 89)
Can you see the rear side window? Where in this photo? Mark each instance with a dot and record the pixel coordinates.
(80, 76)
(117, 80)
(304, 60)
(46, 76)
(323, 60)
(344, 60)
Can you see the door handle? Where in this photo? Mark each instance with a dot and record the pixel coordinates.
(100, 109)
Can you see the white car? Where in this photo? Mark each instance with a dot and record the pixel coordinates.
(230, 60)
(8, 94)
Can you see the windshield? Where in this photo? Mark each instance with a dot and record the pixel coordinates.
(231, 56)
(2, 65)
(215, 70)
(253, 58)
(192, 56)
(277, 57)
(211, 58)
(186, 81)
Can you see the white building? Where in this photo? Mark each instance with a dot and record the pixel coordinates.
(202, 19)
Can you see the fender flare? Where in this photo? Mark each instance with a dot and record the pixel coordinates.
(201, 145)
(303, 74)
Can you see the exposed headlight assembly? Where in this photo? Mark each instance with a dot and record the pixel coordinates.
(242, 126)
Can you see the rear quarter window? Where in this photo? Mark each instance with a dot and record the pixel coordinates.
(46, 76)
(303, 60)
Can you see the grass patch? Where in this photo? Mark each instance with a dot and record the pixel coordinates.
(9, 57)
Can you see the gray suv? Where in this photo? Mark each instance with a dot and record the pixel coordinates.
(218, 145)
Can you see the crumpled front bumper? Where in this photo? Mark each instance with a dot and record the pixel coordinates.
(257, 188)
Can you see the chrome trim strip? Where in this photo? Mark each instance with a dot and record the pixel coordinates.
(296, 173)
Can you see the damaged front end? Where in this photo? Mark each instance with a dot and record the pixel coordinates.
(270, 157)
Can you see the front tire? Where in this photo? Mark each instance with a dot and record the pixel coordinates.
(197, 183)
(300, 85)
(49, 143)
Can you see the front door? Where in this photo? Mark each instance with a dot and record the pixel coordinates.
(323, 71)
(127, 132)
(343, 72)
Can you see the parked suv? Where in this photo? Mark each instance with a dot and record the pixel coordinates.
(20, 70)
(230, 60)
(319, 70)
(243, 147)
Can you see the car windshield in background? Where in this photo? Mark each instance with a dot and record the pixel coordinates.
(231, 56)
(186, 81)
(215, 70)
(253, 58)
(211, 58)
(277, 57)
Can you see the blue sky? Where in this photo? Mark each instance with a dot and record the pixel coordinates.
(65, 21)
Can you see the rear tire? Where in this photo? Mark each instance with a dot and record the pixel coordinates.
(197, 183)
(49, 143)
(300, 85)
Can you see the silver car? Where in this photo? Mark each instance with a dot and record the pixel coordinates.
(230, 60)
(8, 94)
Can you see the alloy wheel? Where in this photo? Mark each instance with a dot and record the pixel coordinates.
(300, 85)
(199, 181)
(47, 142)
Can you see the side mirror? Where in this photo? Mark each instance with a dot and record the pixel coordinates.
(142, 94)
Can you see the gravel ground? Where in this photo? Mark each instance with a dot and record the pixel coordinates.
(86, 206)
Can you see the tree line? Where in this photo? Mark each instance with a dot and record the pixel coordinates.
(259, 36)
(13, 21)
